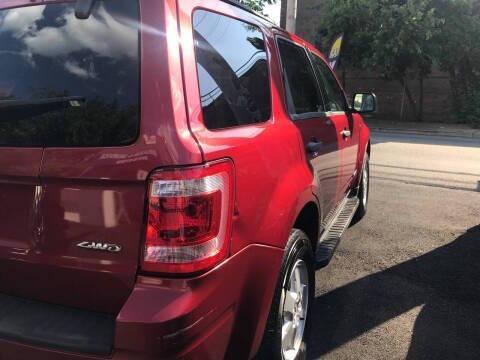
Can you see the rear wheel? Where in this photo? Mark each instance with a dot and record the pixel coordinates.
(288, 325)
(364, 191)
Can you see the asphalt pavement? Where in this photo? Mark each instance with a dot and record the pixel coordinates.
(405, 281)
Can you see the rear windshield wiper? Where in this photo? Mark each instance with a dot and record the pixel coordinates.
(83, 9)
(16, 110)
(73, 101)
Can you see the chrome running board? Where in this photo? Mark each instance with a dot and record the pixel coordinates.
(334, 230)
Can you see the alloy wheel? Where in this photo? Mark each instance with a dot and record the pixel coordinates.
(294, 310)
(365, 184)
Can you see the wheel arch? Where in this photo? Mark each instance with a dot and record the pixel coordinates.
(308, 220)
(364, 147)
(295, 193)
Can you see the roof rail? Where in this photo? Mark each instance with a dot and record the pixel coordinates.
(238, 4)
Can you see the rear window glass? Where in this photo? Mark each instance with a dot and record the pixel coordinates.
(68, 82)
(302, 91)
(232, 70)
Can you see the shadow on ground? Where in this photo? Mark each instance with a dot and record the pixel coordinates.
(445, 282)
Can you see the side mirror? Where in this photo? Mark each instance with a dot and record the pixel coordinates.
(364, 103)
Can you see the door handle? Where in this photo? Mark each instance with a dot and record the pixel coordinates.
(314, 146)
(346, 133)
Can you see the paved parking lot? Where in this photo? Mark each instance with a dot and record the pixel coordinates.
(405, 282)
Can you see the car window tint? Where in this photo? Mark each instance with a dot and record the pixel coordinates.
(334, 97)
(69, 82)
(302, 88)
(232, 71)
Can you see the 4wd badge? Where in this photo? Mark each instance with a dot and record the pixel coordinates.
(91, 245)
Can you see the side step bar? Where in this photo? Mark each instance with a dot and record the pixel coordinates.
(333, 232)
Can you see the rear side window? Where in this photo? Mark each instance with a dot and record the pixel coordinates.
(334, 98)
(302, 90)
(68, 82)
(232, 71)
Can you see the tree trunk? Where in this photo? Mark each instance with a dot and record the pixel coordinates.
(409, 95)
(420, 100)
(453, 82)
(402, 105)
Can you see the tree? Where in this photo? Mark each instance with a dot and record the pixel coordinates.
(257, 5)
(393, 37)
(459, 54)
(403, 39)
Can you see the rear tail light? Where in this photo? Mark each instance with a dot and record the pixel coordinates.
(189, 218)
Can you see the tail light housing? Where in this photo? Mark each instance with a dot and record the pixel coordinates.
(189, 218)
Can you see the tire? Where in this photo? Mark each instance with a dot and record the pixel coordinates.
(297, 260)
(364, 191)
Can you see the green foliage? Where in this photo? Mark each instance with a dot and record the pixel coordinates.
(390, 36)
(404, 38)
(352, 18)
(257, 5)
(468, 107)
(458, 53)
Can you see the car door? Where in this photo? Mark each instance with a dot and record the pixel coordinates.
(306, 108)
(337, 111)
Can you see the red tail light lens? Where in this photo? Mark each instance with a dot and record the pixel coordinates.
(189, 218)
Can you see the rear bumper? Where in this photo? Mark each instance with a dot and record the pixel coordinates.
(189, 318)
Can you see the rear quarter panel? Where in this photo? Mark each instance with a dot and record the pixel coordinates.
(273, 180)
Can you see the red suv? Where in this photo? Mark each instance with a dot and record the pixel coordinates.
(171, 175)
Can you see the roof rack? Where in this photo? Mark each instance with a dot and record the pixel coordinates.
(238, 4)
